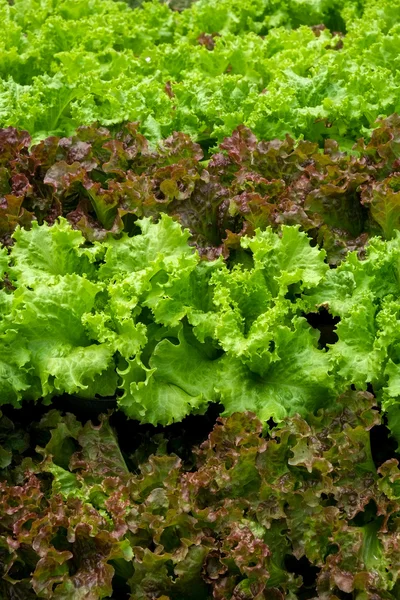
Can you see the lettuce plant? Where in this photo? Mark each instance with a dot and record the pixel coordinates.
(364, 295)
(241, 518)
(144, 318)
(316, 69)
(145, 315)
(103, 180)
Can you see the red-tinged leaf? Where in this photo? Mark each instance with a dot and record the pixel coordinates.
(383, 200)
(257, 500)
(104, 180)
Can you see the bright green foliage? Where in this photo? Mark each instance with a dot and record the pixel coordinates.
(143, 314)
(144, 318)
(364, 294)
(181, 379)
(63, 64)
(277, 364)
(47, 253)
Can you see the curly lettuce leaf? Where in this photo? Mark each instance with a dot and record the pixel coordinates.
(288, 261)
(270, 66)
(45, 253)
(181, 378)
(363, 293)
(297, 379)
(49, 319)
(254, 502)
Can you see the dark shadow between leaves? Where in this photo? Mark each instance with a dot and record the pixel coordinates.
(383, 445)
(326, 324)
(303, 567)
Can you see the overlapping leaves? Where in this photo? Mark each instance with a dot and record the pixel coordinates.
(144, 318)
(103, 181)
(364, 295)
(311, 68)
(145, 315)
(78, 518)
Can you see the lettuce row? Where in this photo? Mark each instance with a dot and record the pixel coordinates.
(79, 519)
(145, 317)
(173, 333)
(103, 180)
(203, 71)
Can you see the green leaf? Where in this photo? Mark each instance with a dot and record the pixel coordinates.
(48, 319)
(356, 357)
(286, 260)
(298, 381)
(161, 246)
(44, 252)
(180, 380)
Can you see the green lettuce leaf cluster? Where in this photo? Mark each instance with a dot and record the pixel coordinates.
(364, 295)
(312, 68)
(146, 316)
(80, 519)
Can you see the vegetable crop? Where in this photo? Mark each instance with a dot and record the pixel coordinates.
(102, 181)
(173, 333)
(199, 300)
(238, 518)
(144, 315)
(204, 71)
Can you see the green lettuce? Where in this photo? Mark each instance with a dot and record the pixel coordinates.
(204, 71)
(363, 294)
(145, 319)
